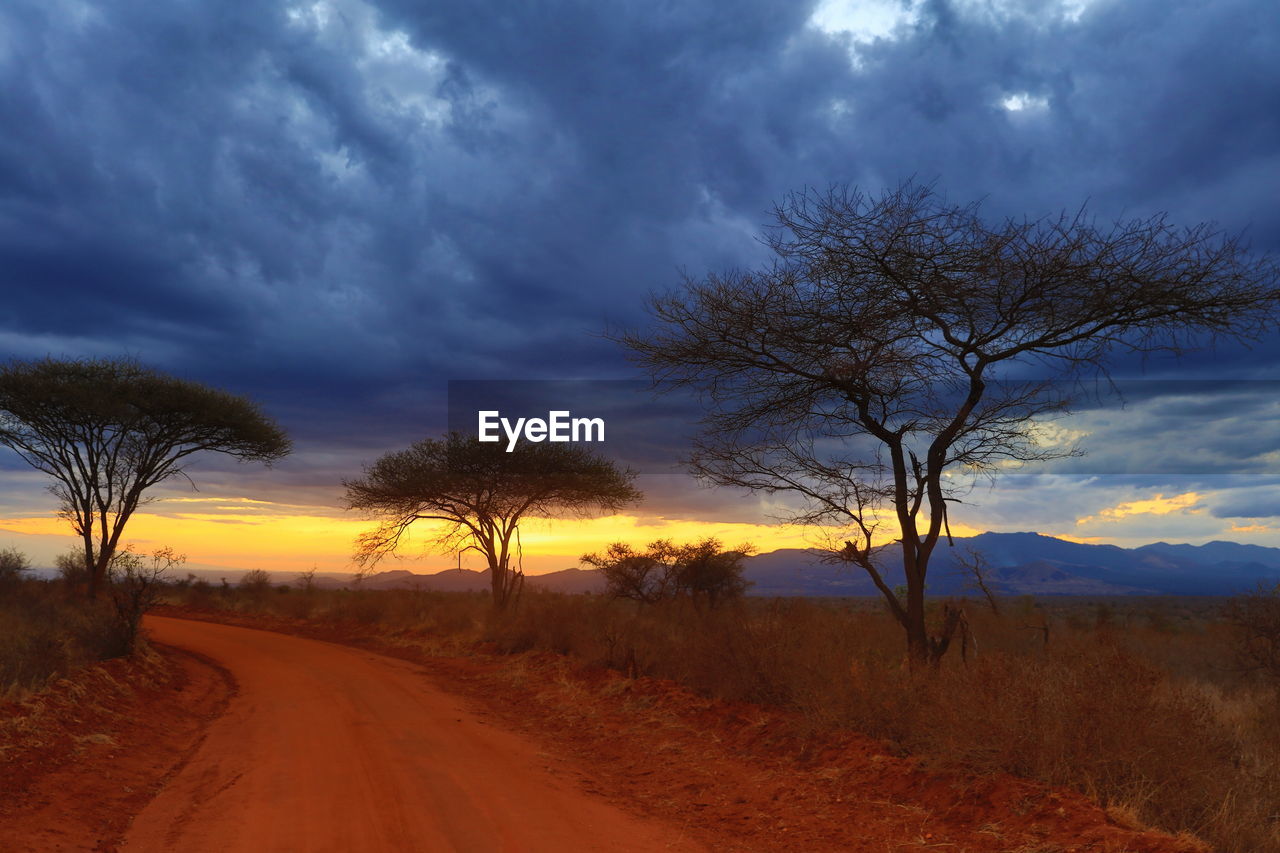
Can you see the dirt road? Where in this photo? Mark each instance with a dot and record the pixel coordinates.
(329, 748)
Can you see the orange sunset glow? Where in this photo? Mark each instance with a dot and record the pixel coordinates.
(241, 533)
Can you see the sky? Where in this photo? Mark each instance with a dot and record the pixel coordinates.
(338, 207)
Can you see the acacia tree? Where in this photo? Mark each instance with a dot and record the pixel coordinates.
(873, 367)
(480, 493)
(106, 431)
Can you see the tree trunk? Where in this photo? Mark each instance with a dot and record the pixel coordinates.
(98, 577)
(95, 571)
(918, 647)
(498, 583)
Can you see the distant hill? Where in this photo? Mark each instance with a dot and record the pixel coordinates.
(466, 580)
(1018, 564)
(1031, 563)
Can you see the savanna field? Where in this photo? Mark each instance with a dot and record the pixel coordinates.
(1156, 708)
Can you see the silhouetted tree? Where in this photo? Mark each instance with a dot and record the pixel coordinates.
(873, 365)
(709, 574)
(137, 586)
(647, 577)
(480, 493)
(974, 563)
(256, 582)
(13, 564)
(109, 430)
(71, 568)
(666, 571)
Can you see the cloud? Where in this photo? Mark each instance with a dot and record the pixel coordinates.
(1158, 504)
(1252, 503)
(337, 206)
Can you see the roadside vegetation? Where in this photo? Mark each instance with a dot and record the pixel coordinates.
(48, 628)
(1147, 705)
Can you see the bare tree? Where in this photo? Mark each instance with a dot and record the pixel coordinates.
(479, 493)
(71, 568)
(13, 564)
(109, 430)
(976, 565)
(874, 367)
(136, 587)
(306, 581)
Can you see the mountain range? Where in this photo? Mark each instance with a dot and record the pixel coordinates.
(1015, 564)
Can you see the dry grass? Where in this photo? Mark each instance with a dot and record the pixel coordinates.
(47, 631)
(1142, 711)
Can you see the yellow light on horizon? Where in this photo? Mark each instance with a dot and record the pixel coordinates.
(240, 533)
(1187, 502)
(298, 539)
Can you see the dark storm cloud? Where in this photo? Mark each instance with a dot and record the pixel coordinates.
(1250, 503)
(338, 206)
(1160, 429)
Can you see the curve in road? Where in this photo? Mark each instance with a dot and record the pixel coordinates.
(329, 748)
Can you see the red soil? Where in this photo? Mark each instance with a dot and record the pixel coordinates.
(648, 758)
(80, 758)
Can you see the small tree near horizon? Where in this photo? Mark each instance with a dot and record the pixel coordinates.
(479, 493)
(107, 431)
(255, 581)
(666, 571)
(13, 564)
(641, 576)
(136, 585)
(880, 361)
(71, 569)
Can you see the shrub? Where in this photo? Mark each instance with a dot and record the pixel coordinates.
(135, 587)
(1256, 619)
(71, 567)
(665, 571)
(13, 564)
(255, 582)
(44, 634)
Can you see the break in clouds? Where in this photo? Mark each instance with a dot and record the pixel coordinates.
(336, 207)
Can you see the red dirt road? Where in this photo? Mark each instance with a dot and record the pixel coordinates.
(329, 748)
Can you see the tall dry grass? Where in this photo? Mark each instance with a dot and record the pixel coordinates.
(1140, 708)
(47, 630)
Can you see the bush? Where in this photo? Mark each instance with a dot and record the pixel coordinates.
(135, 587)
(44, 634)
(1256, 619)
(667, 571)
(71, 567)
(13, 564)
(255, 582)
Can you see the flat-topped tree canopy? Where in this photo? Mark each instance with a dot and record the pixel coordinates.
(481, 492)
(107, 430)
